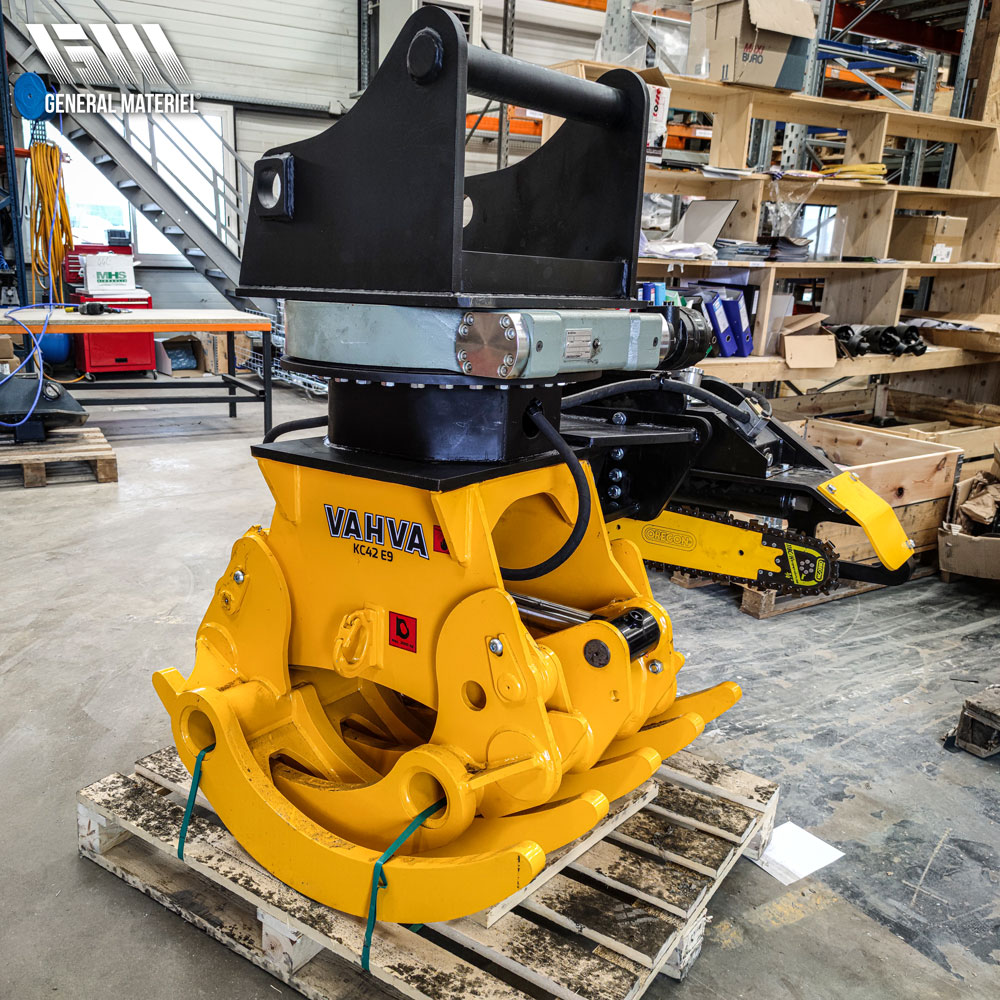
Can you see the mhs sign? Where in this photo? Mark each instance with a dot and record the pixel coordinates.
(95, 54)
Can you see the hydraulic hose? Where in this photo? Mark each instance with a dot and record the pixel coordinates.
(572, 542)
(651, 385)
(303, 424)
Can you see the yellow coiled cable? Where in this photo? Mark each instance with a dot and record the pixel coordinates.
(49, 214)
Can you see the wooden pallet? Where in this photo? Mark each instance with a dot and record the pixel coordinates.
(605, 917)
(63, 445)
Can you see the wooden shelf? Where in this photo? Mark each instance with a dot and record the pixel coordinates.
(792, 268)
(773, 369)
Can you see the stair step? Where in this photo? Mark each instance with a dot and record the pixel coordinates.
(172, 231)
(195, 252)
(214, 272)
(77, 133)
(151, 208)
(127, 184)
(102, 158)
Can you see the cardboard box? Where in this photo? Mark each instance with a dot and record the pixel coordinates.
(217, 351)
(165, 365)
(967, 555)
(805, 344)
(927, 238)
(6, 346)
(758, 43)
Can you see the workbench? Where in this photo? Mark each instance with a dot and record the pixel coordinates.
(227, 321)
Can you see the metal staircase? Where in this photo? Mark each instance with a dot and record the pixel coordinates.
(205, 225)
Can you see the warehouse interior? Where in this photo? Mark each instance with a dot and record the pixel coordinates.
(656, 656)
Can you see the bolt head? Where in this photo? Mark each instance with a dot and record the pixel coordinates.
(502, 371)
(595, 345)
(619, 418)
(615, 475)
(506, 321)
(614, 492)
(463, 355)
(467, 367)
(617, 454)
(509, 333)
(469, 318)
(496, 647)
(508, 359)
(832, 488)
(463, 330)
(855, 476)
(910, 543)
(238, 576)
(596, 653)
(655, 667)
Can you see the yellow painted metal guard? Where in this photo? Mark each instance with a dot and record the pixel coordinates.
(876, 517)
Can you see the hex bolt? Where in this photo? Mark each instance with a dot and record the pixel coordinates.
(617, 454)
(496, 647)
(614, 492)
(505, 322)
(508, 359)
(463, 355)
(509, 333)
(469, 318)
(831, 488)
(855, 476)
(615, 475)
(463, 331)
(238, 576)
(502, 371)
(595, 345)
(619, 418)
(910, 543)
(654, 667)
(467, 367)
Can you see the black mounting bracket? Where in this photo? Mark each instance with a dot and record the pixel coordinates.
(377, 214)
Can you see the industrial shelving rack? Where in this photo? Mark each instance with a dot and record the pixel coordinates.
(863, 292)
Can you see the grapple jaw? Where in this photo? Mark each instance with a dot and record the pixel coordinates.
(335, 727)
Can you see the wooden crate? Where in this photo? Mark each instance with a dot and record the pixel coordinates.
(972, 427)
(63, 446)
(600, 925)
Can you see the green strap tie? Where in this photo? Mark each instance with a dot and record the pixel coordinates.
(378, 876)
(192, 795)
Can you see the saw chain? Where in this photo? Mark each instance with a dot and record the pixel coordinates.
(804, 564)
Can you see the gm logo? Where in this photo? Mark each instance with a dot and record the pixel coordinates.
(73, 57)
(670, 538)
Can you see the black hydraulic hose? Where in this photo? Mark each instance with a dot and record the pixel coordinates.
(762, 401)
(571, 544)
(649, 385)
(305, 423)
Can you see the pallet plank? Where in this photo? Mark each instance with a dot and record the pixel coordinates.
(631, 928)
(713, 777)
(657, 835)
(571, 970)
(704, 812)
(662, 883)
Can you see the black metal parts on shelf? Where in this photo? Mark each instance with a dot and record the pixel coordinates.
(897, 340)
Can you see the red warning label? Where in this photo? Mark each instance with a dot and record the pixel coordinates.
(440, 545)
(403, 632)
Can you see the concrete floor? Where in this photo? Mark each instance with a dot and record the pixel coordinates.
(843, 705)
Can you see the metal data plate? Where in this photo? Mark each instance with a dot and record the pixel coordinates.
(533, 344)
